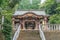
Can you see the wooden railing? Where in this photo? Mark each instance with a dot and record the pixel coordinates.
(50, 27)
(41, 33)
(16, 35)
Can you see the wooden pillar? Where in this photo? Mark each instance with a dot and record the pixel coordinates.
(23, 25)
(36, 25)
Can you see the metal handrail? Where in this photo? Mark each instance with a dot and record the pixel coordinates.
(41, 33)
(16, 35)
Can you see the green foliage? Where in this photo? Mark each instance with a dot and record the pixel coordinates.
(7, 31)
(25, 4)
(13, 3)
(7, 7)
(8, 4)
(55, 19)
(50, 6)
(58, 8)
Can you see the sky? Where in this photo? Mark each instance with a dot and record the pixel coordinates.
(42, 1)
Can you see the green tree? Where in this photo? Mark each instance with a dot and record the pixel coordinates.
(7, 30)
(25, 4)
(55, 19)
(50, 6)
(58, 8)
(8, 8)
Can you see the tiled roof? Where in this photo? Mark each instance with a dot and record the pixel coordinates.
(26, 11)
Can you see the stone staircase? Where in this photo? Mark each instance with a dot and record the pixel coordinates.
(29, 35)
(52, 35)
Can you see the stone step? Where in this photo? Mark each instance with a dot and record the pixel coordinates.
(52, 35)
(29, 35)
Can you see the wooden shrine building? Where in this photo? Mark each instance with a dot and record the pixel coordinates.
(29, 19)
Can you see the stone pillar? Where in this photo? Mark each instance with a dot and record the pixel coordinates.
(45, 26)
(45, 20)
